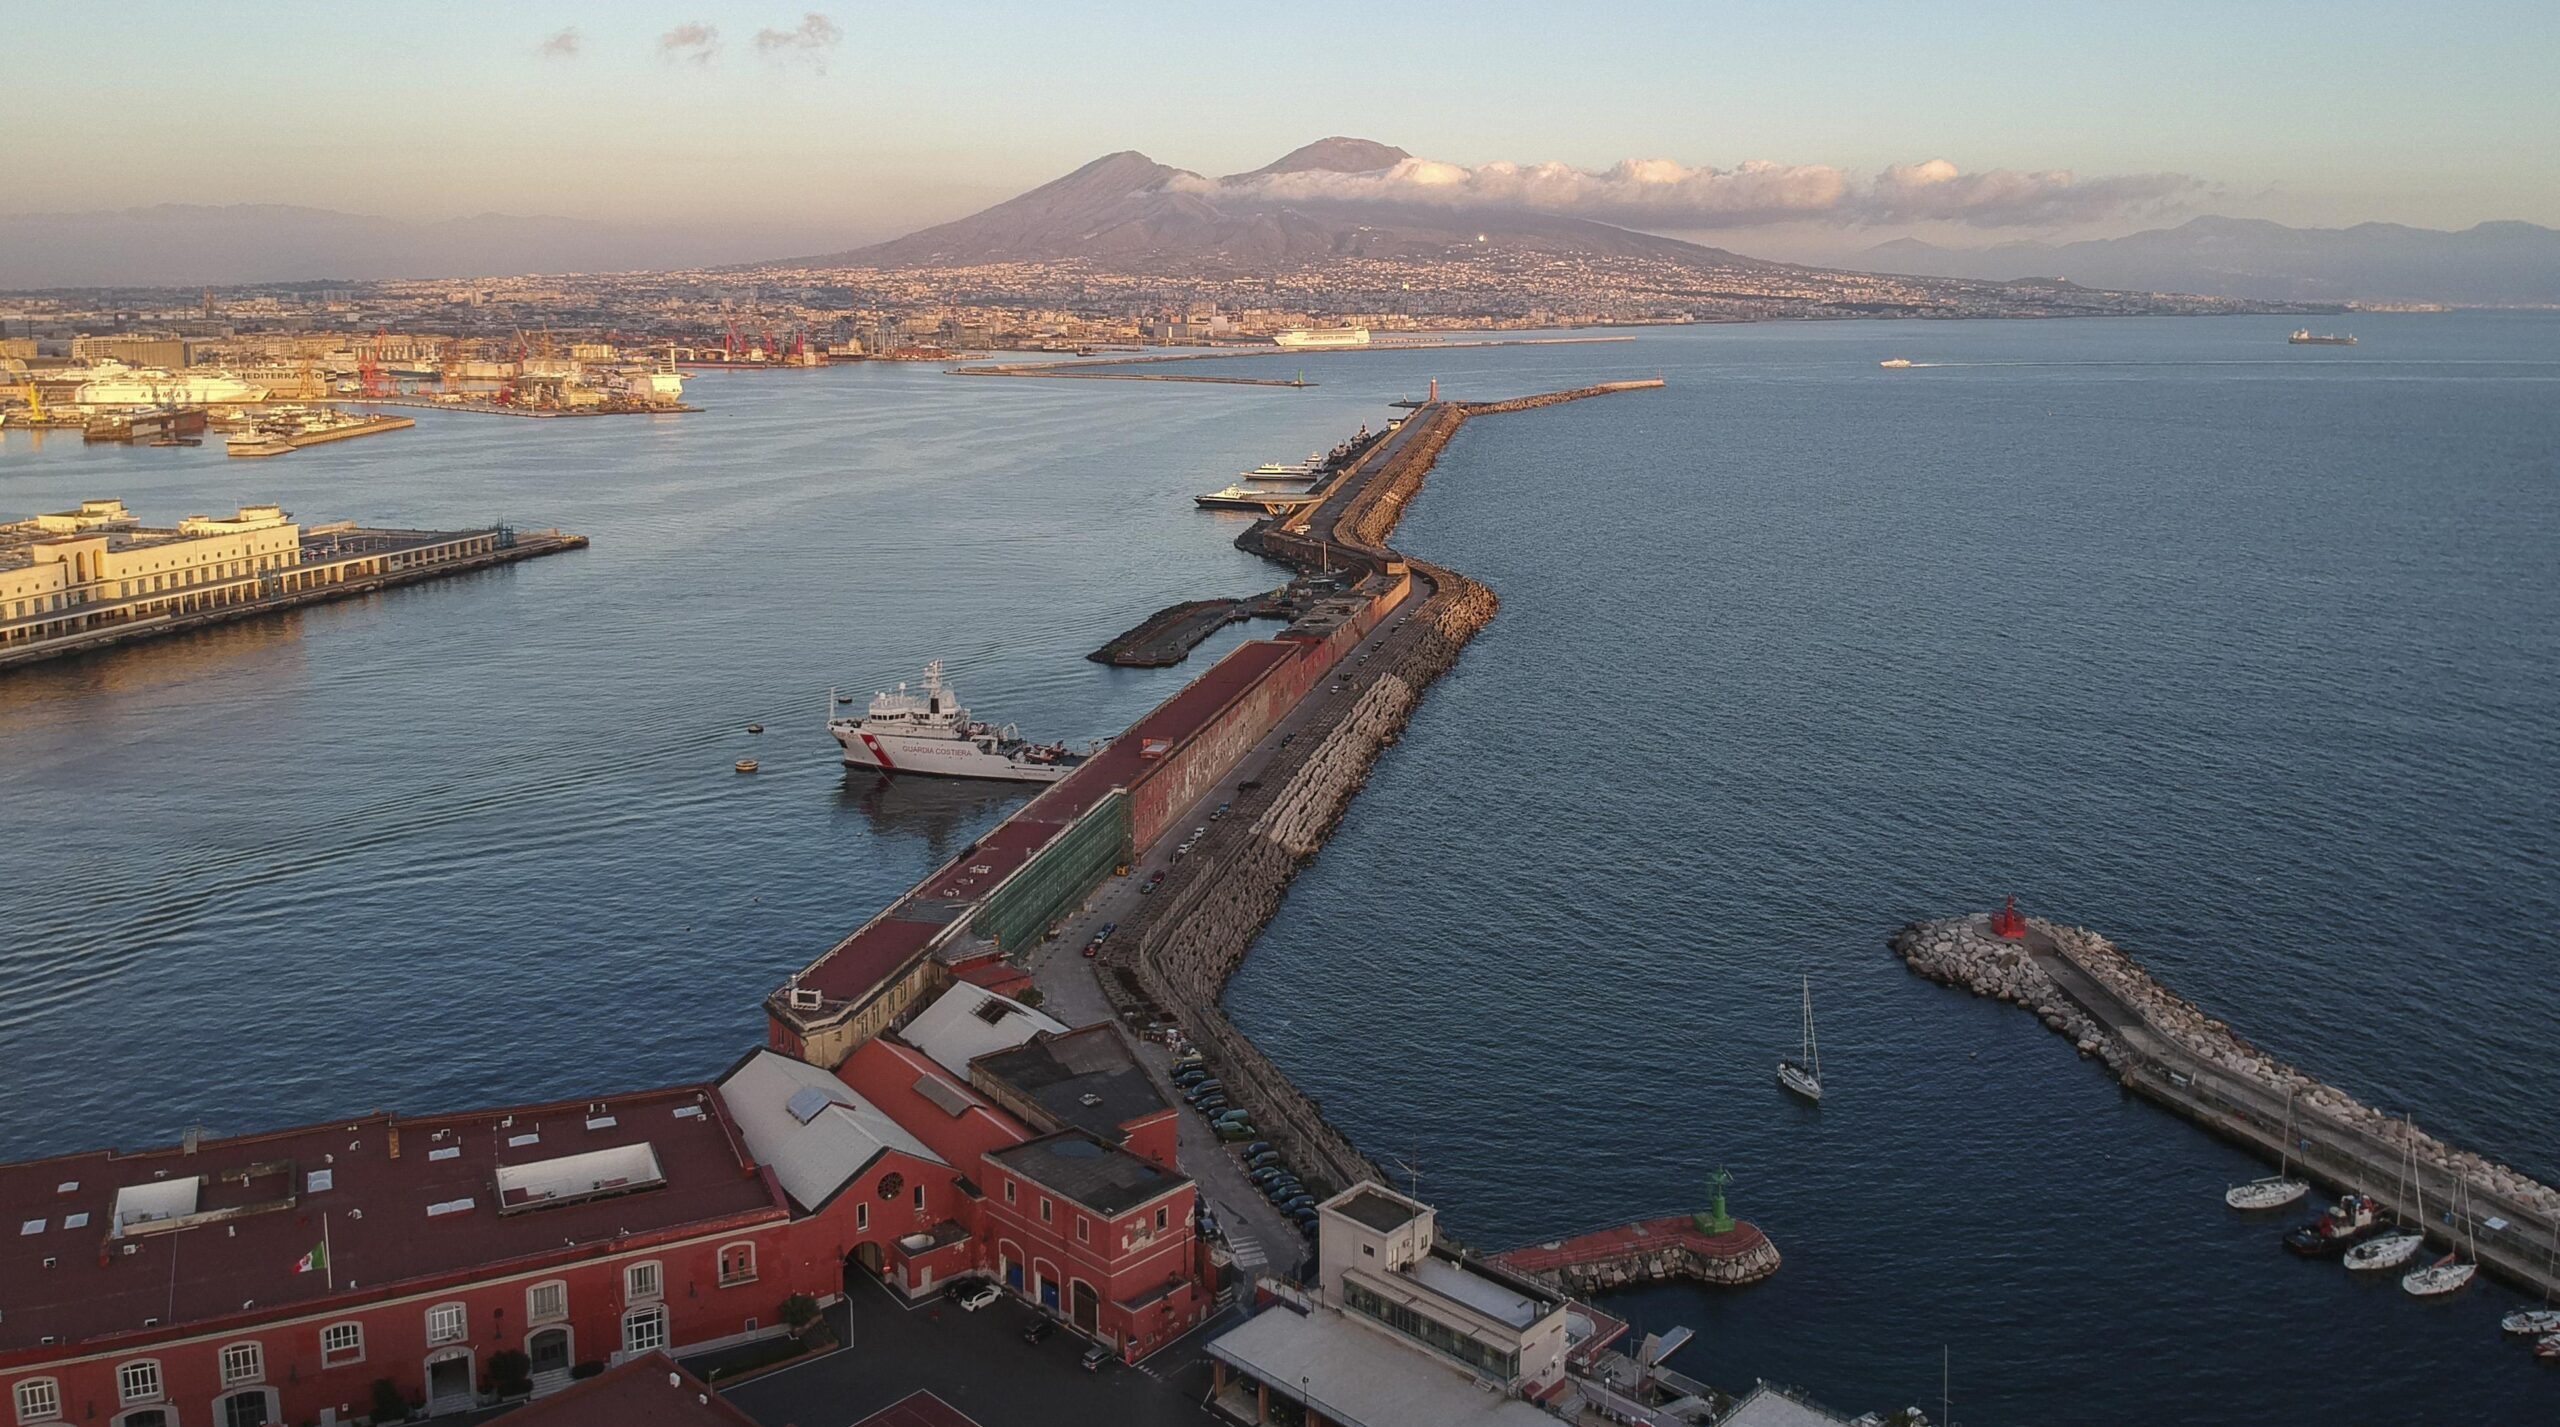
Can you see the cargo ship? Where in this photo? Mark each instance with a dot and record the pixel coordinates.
(928, 731)
(2305, 337)
(1324, 337)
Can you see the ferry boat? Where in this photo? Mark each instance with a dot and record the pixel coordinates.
(115, 384)
(1895, 362)
(1306, 470)
(1323, 337)
(1243, 497)
(929, 731)
(2305, 337)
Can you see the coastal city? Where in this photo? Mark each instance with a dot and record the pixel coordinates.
(842, 766)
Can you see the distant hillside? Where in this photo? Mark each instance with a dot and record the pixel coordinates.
(2493, 263)
(1127, 211)
(185, 245)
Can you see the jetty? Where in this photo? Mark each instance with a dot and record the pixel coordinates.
(1709, 1247)
(2167, 1050)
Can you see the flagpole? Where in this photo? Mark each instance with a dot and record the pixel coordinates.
(328, 1261)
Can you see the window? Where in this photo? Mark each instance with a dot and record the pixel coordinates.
(861, 1217)
(641, 1282)
(243, 1362)
(1084, 1230)
(919, 1198)
(246, 1409)
(139, 1382)
(1161, 1211)
(1008, 1191)
(341, 1344)
(39, 1400)
(447, 1323)
(737, 1264)
(644, 1329)
(546, 1302)
(1047, 1211)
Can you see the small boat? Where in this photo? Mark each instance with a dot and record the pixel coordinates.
(1804, 1077)
(746, 765)
(755, 728)
(2531, 1323)
(2453, 1271)
(1894, 363)
(2350, 1219)
(2548, 1349)
(2278, 1189)
(2398, 1247)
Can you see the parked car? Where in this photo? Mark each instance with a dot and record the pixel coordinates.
(1236, 1130)
(980, 1297)
(1257, 1161)
(1185, 1079)
(1221, 812)
(1148, 887)
(1259, 1147)
(1094, 1357)
(1213, 1106)
(1297, 1202)
(1203, 1088)
(960, 1288)
(1040, 1330)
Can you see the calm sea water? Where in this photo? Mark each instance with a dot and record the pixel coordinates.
(2244, 654)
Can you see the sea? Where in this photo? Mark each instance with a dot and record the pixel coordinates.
(2245, 654)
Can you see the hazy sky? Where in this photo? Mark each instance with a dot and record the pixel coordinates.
(874, 118)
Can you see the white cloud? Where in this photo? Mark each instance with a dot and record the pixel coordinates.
(815, 36)
(1662, 193)
(696, 42)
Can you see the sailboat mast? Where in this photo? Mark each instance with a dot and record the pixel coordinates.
(1812, 1047)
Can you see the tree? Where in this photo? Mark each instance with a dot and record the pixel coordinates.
(512, 1371)
(389, 1404)
(799, 1310)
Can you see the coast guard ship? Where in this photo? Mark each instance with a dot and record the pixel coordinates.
(928, 731)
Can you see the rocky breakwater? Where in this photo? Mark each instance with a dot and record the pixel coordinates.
(2163, 1045)
(1699, 1247)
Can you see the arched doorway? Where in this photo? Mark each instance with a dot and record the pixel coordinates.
(870, 1257)
(551, 1356)
(1088, 1307)
(249, 1407)
(449, 1386)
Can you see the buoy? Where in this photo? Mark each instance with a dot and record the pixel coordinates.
(746, 765)
(755, 728)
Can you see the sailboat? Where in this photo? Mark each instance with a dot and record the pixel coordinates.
(2395, 1249)
(2542, 1322)
(2452, 1271)
(1804, 1077)
(2278, 1189)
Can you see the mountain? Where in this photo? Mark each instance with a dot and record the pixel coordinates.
(1127, 212)
(175, 244)
(2493, 263)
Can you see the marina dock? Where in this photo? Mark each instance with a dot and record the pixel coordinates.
(2165, 1049)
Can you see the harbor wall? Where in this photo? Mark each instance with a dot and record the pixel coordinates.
(2163, 1047)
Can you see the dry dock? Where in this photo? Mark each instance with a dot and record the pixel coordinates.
(2164, 1048)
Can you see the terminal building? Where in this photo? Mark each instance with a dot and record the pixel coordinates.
(71, 574)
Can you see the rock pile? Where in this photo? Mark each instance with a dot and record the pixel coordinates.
(1964, 953)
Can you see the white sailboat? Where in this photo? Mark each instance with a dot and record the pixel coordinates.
(1804, 1077)
(2394, 1249)
(2542, 1322)
(2452, 1271)
(2278, 1189)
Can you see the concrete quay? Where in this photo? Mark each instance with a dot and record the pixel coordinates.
(2166, 1049)
(362, 562)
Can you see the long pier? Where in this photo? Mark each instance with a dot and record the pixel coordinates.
(2165, 1049)
(341, 576)
(1111, 368)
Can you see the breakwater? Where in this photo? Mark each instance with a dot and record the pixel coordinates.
(1174, 964)
(2165, 1048)
(1700, 1247)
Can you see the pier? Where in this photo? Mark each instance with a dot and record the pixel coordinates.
(330, 562)
(2165, 1049)
(1115, 368)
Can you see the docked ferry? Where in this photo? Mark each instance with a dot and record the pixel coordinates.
(927, 730)
(1323, 337)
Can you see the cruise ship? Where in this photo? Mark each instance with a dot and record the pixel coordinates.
(1324, 337)
(928, 731)
(115, 384)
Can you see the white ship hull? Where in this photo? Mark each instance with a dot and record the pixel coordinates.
(1323, 337)
(170, 391)
(938, 757)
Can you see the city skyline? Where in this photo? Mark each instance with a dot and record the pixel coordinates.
(762, 130)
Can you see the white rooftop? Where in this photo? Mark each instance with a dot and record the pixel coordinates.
(1361, 1377)
(810, 1126)
(1766, 1406)
(1505, 1305)
(968, 1021)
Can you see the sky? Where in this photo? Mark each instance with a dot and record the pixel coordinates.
(804, 127)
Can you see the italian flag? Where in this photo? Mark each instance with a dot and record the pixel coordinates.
(314, 1261)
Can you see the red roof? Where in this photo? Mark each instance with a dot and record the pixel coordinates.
(237, 1215)
(650, 1389)
(889, 1074)
(872, 955)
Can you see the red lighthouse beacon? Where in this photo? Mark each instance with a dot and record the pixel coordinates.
(2007, 924)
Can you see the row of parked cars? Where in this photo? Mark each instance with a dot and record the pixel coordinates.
(1208, 1095)
(1262, 1162)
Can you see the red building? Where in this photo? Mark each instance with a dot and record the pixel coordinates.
(276, 1277)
